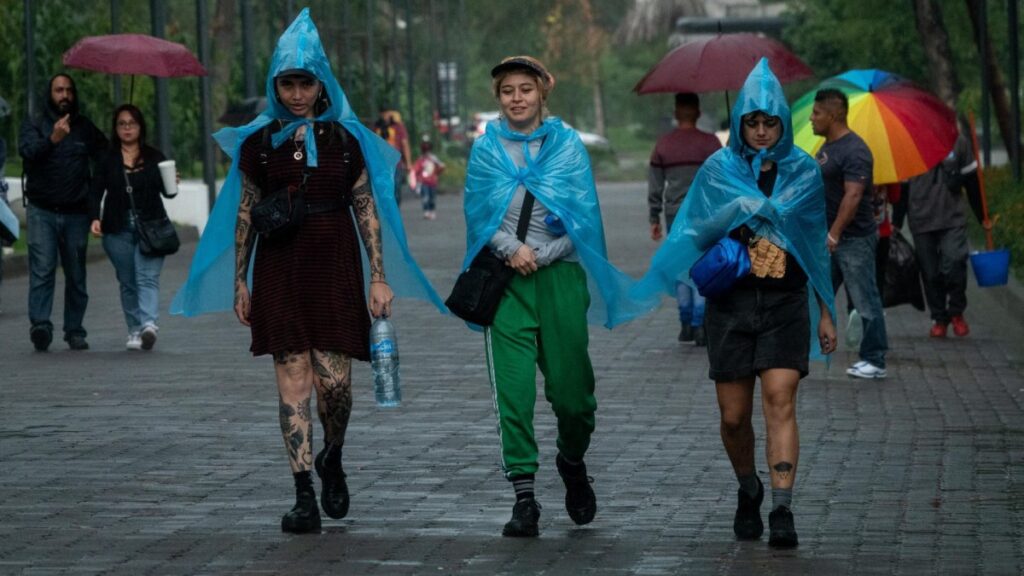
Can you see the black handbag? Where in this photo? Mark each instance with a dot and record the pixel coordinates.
(157, 237)
(478, 289)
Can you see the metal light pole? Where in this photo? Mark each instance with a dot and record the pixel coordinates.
(1012, 20)
(986, 143)
(248, 56)
(371, 78)
(115, 28)
(30, 61)
(410, 73)
(158, 16)
(206, 128)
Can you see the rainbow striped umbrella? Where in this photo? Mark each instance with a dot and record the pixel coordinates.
(907, 129)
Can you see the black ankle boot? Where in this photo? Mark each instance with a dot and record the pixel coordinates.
(580, 501)
(525, 518)
(304, 516)
(334, 497)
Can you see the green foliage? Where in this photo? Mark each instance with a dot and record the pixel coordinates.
(1005, 200)
(833, 36)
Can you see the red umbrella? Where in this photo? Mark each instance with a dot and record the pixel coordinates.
(720, 63)
(133, 54)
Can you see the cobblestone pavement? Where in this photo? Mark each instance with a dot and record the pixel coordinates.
(171, 462)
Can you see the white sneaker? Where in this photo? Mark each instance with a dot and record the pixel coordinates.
(854, 329)
(148, 336)
(134, 341)
(867, 370)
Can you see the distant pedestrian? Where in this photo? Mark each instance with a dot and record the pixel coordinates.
(529, 166)
(767, 194)
(846, 167)
(57, 148)
(130, 162)
(675, 160)
(426, 172)
(934, 209)
(309, 301)
(390, 127)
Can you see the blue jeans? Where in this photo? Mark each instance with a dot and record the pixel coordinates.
(691, 305)
(853, 262)
(428, 194)
(138, 276)
(51, 236)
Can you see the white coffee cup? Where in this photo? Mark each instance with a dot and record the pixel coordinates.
(170, 176)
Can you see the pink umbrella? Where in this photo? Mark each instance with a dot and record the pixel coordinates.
(133, 54)
(720, 63)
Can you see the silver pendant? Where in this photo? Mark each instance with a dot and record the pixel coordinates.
(297, 155)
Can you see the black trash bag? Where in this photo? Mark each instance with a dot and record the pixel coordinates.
(902, 275)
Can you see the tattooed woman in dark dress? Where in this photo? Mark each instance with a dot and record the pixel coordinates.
(307, 307)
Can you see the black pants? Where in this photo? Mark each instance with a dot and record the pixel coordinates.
(942, 256)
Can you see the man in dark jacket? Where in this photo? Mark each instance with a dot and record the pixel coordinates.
(57, 147)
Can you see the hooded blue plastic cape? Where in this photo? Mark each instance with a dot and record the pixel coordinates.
(724, 195)
(561, 179)
(210, 287)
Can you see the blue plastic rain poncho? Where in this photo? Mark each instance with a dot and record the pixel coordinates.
(560, 178)
(210, 287)
(724, 195)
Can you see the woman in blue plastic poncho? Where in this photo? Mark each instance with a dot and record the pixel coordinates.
(308, 301)
(766, 193)
(563, 276)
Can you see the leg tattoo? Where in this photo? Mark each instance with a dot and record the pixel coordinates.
(334, 394)
(783, 469)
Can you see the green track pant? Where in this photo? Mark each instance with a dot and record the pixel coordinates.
(542, 321)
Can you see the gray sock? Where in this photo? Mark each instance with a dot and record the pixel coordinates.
(749, 484)
(782, 497)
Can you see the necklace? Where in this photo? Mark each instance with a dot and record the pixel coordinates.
(299, 139)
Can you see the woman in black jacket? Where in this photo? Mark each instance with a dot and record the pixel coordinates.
(130, 165)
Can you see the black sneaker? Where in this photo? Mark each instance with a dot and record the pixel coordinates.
(334, 491)
(41, 337)
(747, 524)
(783, 533)
(686, 333)
(525, 516)
(700, 338)
(77, 342)
(580, 501)
(304, 516)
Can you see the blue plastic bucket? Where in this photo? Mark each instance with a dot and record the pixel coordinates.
(991, 268)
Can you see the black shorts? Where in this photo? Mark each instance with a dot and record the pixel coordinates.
(751, 329)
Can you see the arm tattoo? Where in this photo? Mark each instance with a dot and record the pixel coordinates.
(369, 225)
(244, 237)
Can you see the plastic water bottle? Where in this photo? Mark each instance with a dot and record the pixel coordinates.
(387, 387)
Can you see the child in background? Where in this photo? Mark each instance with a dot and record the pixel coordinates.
(425, 172)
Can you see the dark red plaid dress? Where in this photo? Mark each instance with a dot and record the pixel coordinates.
(307, 290)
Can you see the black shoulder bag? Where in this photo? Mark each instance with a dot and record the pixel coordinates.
(479, 288)
(157, 237)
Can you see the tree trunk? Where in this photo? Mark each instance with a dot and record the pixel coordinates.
(935, 40)
(998, 89)
(599, 126)
(223, 30)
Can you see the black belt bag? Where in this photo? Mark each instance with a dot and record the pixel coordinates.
(281, 214)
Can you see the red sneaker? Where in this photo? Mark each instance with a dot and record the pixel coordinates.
(938, 330)
(960, 327)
